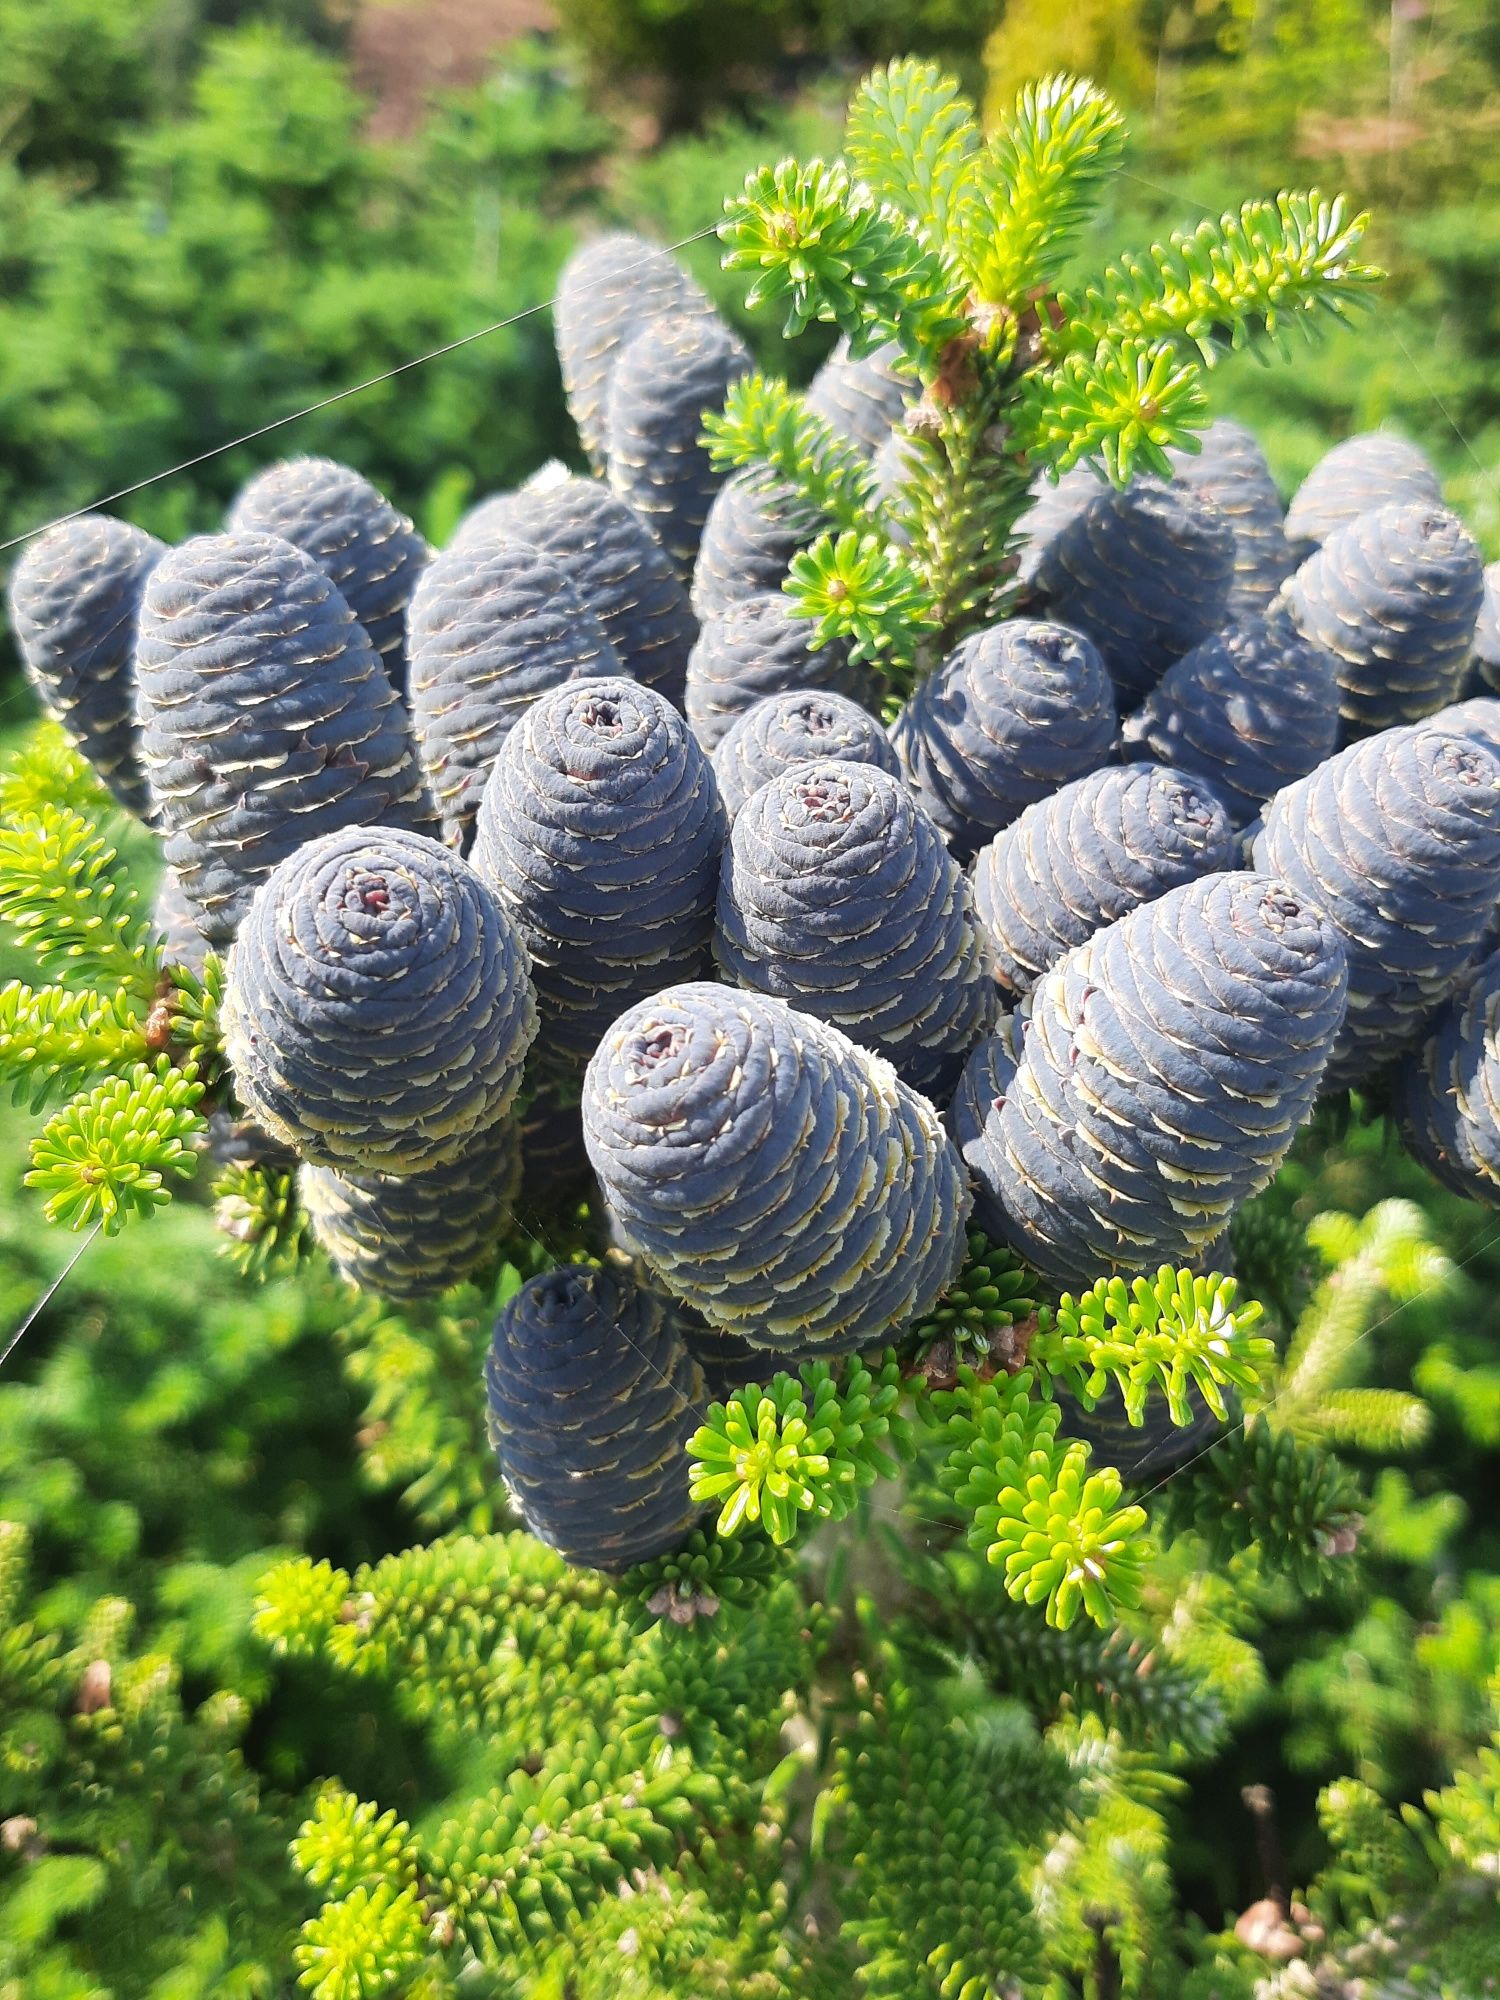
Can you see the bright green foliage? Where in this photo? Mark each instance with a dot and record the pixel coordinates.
(61, 893)
(115, 1152)
(955, 248)
(262, 1227)
(368, 1943)
(1055, 1528)
(993, 1293)
(929, 1889)
(47, 771)
(705, 1578)
(53, 1041)
(801, 1449)
(1179, 1334)
(763, 420)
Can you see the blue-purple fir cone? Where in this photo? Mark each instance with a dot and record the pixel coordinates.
(619, 569)
(600, 831)
(759, 646)
(1394, 596)
(838, 895)
(1372, 469)
(410, 1236)
(609, 289)
(74, 598)
(864, 400)
(1146, 572)
(1487, 632)
(1250, 709)
(592, 1398)
(799, 726)
(378, 1006)
(1234, 472)
(1397, 840)
(756, 524)
(369, 552)
(782, 1181)
(1166, 1066)
(492, 625)
(1011, 714)
(176, 923)
(1088, 855)
(1448, 1095)
(266, 719)
(667, 379)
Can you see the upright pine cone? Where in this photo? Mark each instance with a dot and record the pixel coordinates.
(75, 595)
(410, 1236)
(1249, 709)
(776, 1177)
(755, 526)
(1233, 471)
(265, 718)
(492, 625)
(378, 1009)
(600, 832)
(370, 553)
(864, 400)
(592, 1399)
(621, 572)
(799, 726)
(759, 646)
(1146, 572)
(1397, 839)
(609, 289)
(1372, 469)
(1166, 1067)
(1394, 596)
(838, 895)
(1090, 854)
(667, 378)
(1010, 715)
(1448, 1096)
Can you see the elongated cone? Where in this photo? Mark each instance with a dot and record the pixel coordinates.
(1146, 572)
(411, 1236)
(1448, 1097)
(838, 895)
(776, 1177)
(667, 379)
(1478, 717)
(1249, 710)
(600, 832)
(609, 289)
(1372, 469)
(759, 647)
(1397, 839)
(378, 1007)
(1487, 632)
(369, 552)
(1394, 596)
(493, 624)
(1234, 472)
(1090, 854)
(592, 1399)
(621, 572)
(265, 718)
(754, 527)
(1166, 1066)
(863, 400)
(176, 923)
(799, 726)
(75, 595)
(1010, 715)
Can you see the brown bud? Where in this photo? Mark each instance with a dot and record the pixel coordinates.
(95, 1690)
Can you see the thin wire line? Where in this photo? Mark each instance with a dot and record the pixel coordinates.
(47, 1297)
(311, 409)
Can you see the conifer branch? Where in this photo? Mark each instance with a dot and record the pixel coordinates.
(862, 588)
(47, 771)
(911, 137)
(1123, 403)
(1259, 1488)
(763, 422)
(262, 1227)
(63, 893)
(54, 1042)
(114, 1153)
